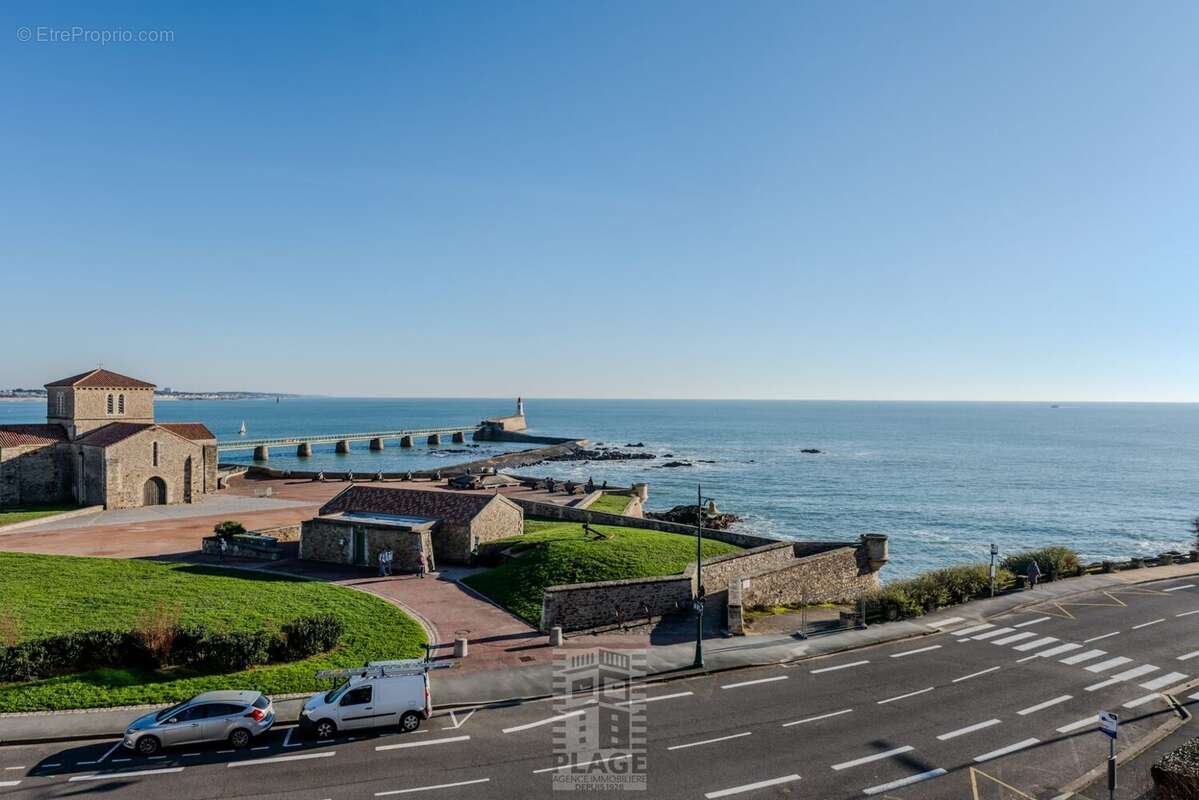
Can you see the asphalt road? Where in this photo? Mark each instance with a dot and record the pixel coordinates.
(1003, 710)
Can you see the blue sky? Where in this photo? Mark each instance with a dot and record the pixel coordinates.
(778, 200)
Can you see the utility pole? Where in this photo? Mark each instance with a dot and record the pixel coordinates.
(994, 552)
(699, 577)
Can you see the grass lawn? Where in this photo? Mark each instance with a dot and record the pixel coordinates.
(44, 595)
(569, 556)
(610, 503)
(10, 515)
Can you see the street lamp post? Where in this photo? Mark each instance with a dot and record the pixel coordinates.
(699, 574)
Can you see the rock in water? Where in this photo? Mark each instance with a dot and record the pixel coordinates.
(685, 515)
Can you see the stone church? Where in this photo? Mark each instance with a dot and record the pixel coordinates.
(101, 446)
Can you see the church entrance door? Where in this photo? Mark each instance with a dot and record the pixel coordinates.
(155, 492)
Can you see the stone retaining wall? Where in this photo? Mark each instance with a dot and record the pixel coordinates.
(834, 576)
(589, 605)
(720, 570)
(283, 533)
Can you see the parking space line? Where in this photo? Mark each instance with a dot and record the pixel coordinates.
(820, 717)
(1147, 624)
(582, 763)
(1163, 681)
(904, 696)
(429, 788)
(1042, 706)
(1082, 723)
(989, 634)
(10, 769)
(1187, 613)
(1104, 666)
(10, 783)
(111, 750)
(1103, 636)
(908, 781)
(1188, 656)
(442, 740)
(655, 699)
(968, 729)
(754, 682)
(1015, 637)
(1176, 588)
(857, 762)
(839, 666)
(1081, 657)
(749, 787)
(255, 762)
(914, 652)
(1031, 622)
(1057, 651)
(121, 760)
(546, 721)
(1140, 701)
(1033, 645)
(972, 629)
(287, 739)
(709, 741)
(103, 776)
(1003, 751)
(974, 674)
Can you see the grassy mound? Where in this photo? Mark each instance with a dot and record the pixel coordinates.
(610, 503)
(46, 595)
(560, 552)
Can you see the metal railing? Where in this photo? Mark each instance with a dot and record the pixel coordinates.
(326, 438)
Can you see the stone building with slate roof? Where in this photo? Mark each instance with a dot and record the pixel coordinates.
(101, 446)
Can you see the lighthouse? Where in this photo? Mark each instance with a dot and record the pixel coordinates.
(520, 406)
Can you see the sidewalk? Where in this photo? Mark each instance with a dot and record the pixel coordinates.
(666, 662)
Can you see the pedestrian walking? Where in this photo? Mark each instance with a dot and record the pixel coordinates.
(420, 568)
(383, 563)
(222, 546)
(1034, 573)
(430, 559)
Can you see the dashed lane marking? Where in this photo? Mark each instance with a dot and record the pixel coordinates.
(256, 762)
(1015, 637)
(655, 699)
(1094, 687)
(10, 769)
(111, 750)
(839, 666)
(10, 783)
(908, 781)
(430, 788)
(914, 652)
(1169, 679)
(52, 766)
(1188, 656)
(1140, 701)
(989, 634)
(1032, 622)
(1033, 645)
(755, 682)
(968, 729)
(1176, 588)
(1103, 636)
(709, 741)
(1042, 706)
(426, 742)
(1057, 651)
(972, 629)
(572, 765)
(749, 787)
(974, 674)
(1081, 657)
(1147, 624)
(137, 773)
(1082, 723)
(1104, 666)
(1003, 751)
(816, 718)
(121, 760)
(857, 762)
(547, 721)
(905, 696)
(1187, 613)
(1135, 672)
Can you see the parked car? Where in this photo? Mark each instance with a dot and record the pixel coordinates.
(235, 717)
(381, 694)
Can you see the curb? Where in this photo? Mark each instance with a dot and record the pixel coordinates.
(33, 523)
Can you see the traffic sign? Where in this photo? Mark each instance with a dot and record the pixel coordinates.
(1109, 723)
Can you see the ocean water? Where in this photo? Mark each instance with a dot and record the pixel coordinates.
(943, 480)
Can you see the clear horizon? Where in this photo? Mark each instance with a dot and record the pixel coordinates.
(918, 202)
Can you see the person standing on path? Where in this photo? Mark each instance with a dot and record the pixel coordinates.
(222, 546)
(1034, 573)
(421, 568)
(383, 563)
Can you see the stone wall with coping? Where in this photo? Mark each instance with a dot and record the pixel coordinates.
(834, 576)
(282, 533)
(734, 620)
(719, 570)
(590, 605)
(35, 475)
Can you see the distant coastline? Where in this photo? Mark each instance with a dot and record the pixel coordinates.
(33, 395)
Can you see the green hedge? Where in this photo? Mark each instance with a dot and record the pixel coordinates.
(1060, 560)
(931, 590)
(191, 646)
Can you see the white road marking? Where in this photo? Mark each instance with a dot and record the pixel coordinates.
(581, 764)
(1015, 637)
(914, 652)
(974, 674)
(709, 741)
(111, 750)
(1081, 657)
(1057, 651)
(442, 740)
(1003, 751)
(1104, 666)
(1187, 613)
(10, 769)
(997, 632)
(839, 666)
(754, 682)
(857, 762)
(1140, 701)
(83, 763)
(52, 766)
(1033, 645)
(1176, 588)
(814, 719)
(121, 760)
(1082, 723)
(908, 781)
(287, 739)
(942, 623)
(1042, 706)
(904, 696)
(1094, 687)
(1169, 679)
(254, 762)
(749, 787)
(1188, 656)
(972, 629)
(428, 788)
(1032, 622)
(193, 755)
(968, 729)
(1194, 697)
(1147, 624)
(1104, 636)
(103, 776)
(654, 699)
(547, 721)
(10, 783)
(219, 752)
(1135, 672)
(456, 723)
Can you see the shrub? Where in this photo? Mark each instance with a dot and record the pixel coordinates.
(156, 630)
(67, 652)
(931, 590)
(228, 528)
(308, 636)
(1061, 560)
(235, 650)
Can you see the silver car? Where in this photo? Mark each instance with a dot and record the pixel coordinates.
(236, 717)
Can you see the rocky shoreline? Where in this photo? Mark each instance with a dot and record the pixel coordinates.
(686, 515)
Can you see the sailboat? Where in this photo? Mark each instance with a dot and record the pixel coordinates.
(242, 432)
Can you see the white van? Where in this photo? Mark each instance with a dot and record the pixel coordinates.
(383, 693)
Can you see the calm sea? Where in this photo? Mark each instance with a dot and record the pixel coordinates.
(944, 480)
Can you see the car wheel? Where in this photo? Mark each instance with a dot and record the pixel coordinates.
(148, 745)
(325, 729)
(239, 738)
(409, 722)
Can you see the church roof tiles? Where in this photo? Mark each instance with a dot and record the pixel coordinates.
(102, 379)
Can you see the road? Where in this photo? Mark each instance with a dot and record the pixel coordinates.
(984, 711)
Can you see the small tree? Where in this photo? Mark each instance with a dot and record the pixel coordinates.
(228, 529)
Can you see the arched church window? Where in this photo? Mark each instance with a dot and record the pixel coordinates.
(121, 404)
(62, 403)
(154, 456)
(110, 404)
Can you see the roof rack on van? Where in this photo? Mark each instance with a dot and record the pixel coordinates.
(387, 669)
